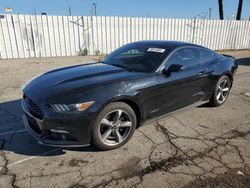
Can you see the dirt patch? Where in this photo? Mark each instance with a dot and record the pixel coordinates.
(61, 164)
(230, 179)
(77, 186)
(239, 133)
(75, 162)
(247, 94)
(164, 164)
(129, 167)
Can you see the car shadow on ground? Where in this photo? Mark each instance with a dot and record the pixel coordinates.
(244, 61)
(206, 105)
(14, 137)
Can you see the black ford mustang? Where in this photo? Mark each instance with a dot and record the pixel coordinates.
(104, 102)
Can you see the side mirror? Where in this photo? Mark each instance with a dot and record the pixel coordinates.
(172, 68)
(175, 68)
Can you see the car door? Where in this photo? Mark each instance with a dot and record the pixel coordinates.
(181, 88)
(209, 60)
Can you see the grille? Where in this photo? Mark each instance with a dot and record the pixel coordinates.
(34, 108)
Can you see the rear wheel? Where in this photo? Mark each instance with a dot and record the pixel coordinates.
(221, 91)
(114, 126)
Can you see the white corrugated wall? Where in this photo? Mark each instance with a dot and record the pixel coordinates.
(24, 36)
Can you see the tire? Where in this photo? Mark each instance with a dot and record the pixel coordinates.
(114, 126)
(219, 99)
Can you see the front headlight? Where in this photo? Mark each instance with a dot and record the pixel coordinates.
(71, 107)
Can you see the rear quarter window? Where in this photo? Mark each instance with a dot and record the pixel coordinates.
(187, 57)
(207, 56)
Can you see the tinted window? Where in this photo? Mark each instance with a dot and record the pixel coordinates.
(131, 53)
(187, 57)
(136, 57)
(207, 56)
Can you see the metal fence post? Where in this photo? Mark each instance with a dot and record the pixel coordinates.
(194, 27)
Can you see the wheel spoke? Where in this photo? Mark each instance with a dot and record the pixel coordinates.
(118, 114)
(125, 124)
(218, 96)
(223, 84)
(223, 97)
(106, 135)
(225, 89)
(118, 136)
(105, 121)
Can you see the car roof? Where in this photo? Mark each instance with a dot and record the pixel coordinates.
(167, 44)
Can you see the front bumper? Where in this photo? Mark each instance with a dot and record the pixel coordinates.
(60, 131)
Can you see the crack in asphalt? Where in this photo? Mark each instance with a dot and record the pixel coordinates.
(235, 134)
(151, 140)
(180, 157)
(230, 179)
(5, 171)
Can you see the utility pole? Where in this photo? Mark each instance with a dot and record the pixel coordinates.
(94, 8)
(69, 10)
(210, 12)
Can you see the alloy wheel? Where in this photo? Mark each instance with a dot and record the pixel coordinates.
(223, 91)
(115, 127)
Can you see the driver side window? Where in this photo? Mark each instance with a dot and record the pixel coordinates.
(187, 57)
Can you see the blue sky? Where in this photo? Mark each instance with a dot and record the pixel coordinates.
(155, 8)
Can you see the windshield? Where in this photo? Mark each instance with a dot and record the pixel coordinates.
(135, 57)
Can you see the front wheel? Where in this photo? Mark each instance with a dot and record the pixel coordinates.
(114, 126)
(221, 91)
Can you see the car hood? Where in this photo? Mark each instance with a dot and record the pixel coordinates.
(72, 82)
